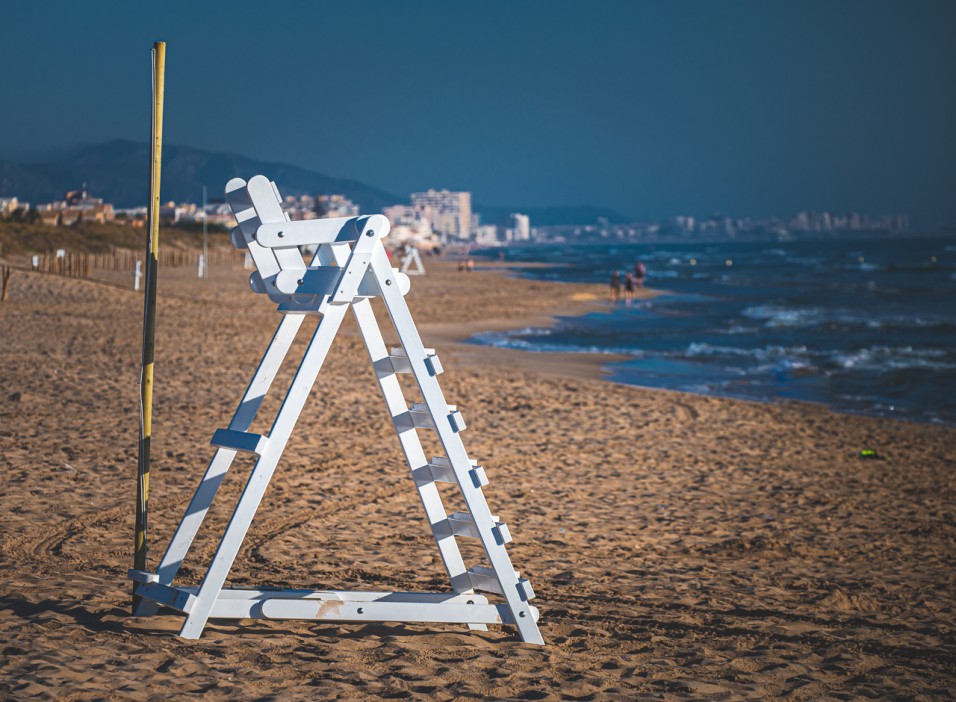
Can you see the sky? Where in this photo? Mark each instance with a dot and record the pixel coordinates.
(652, 108)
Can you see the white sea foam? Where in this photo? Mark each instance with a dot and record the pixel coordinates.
(518, 339)
(778, 316)
(882, 358)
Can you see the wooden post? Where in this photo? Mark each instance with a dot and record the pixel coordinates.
(149, 313)
(4, 281)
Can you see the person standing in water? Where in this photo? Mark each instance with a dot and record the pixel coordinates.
(629, 286)
(640, 272)
(616, 287)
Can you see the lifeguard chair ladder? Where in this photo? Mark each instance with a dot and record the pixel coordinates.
(412, 258)
(349, 267)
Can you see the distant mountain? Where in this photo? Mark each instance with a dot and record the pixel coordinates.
(117, 172)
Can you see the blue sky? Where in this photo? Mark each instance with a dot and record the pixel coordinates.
(653, 108)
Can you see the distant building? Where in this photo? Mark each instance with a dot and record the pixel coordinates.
(338, 206)
(308, 207)
(409, 225)
(520, 227)
(11, 205)
(486, 235)
(449, 212)
(76, 207)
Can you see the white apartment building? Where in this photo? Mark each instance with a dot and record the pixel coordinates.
(449, 212)
(520, 227)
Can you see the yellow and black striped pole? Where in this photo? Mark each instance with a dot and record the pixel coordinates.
(149, 312)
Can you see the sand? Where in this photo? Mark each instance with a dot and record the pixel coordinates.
(681, 547)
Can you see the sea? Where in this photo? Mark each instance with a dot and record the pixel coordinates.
(864, 326)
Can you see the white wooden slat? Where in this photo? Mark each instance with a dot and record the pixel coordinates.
(167, 596)
(524, 587)
(239, 441)
(142, 576)
(339, 611)
(312, 281)
(400, 359)
(433, 365)
(263, 593)
(308, 231)
(502, 533)
(269, 210)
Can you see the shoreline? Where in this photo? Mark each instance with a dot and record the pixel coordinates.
(594, 365)
(583, 300)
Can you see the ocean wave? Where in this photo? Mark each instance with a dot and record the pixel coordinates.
(761, 354)
(779, 316)
(519, 339)
(737, 329)
(873, 358)
(883, 358)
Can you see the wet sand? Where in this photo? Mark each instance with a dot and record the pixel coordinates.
(681, 547)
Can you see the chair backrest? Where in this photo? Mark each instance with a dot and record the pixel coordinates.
(253, 204)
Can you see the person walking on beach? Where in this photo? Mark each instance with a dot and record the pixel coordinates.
(629, 285)
(470, 265)
(640, 272)
(616, 287)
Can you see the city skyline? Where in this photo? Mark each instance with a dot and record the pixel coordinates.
(652, 110)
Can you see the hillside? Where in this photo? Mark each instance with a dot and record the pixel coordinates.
(117, 172)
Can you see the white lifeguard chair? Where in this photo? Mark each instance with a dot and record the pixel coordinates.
(350, 266)
(412, 258)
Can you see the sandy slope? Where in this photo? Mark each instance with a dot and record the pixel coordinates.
(680, 546)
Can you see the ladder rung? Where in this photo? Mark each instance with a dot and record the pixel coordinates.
(142, 576)
(463, 524)
(400, 363)
(422, 418)
(239, 441)
(478, 476)
(440, 470)
(502, 534)
(433, 365)
(524, 589)
(481, 578)
(167, 595)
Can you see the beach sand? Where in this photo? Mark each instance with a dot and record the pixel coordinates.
(681, 547)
